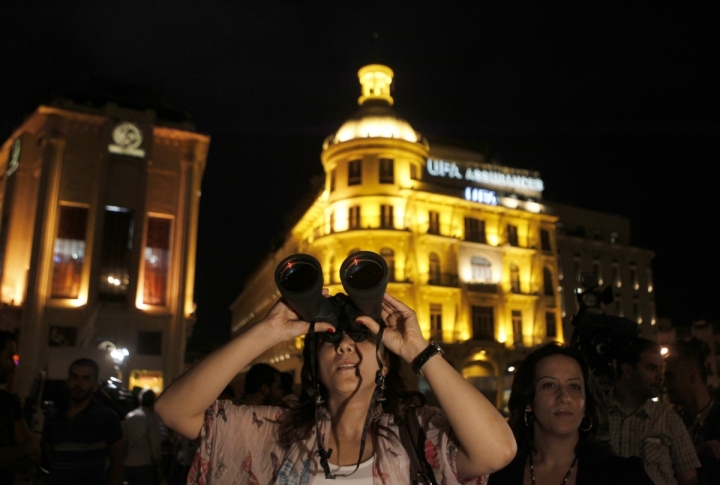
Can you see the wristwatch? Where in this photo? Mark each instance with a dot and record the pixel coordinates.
(425, 355)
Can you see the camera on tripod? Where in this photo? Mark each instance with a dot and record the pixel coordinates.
(364, 276)
(600, 337)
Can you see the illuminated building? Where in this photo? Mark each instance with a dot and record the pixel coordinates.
(599, 243)
(468, 243)
(98, 238)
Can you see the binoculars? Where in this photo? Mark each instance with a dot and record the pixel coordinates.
(364, 276)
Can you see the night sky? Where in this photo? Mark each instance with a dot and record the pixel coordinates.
(615, 105)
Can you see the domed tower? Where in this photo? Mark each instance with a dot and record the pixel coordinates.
(371, 163)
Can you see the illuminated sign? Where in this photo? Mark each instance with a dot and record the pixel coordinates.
(481, 195)
(127, 138)
(442, 168)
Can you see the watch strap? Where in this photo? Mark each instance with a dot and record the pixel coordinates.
(432, 349)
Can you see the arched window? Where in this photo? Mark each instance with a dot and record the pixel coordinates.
(434, 273)
(389, 256)
(331, 270)
(548, 282)
(514, 278)
(480, 269)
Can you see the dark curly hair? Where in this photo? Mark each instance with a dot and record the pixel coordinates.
(523, 393)
(298, 422)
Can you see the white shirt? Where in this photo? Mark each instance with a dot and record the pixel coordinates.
(363, 475)
(142, 432)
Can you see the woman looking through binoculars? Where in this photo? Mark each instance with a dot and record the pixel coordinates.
(262, 444)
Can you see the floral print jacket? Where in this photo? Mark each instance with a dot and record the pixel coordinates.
(239, 446)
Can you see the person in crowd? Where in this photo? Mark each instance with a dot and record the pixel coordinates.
(468, 438)
(642, 427)
(686, 384)
(143, 461)
(287, 381)
(557, 414)
(262, 386)
(17, 446)
(80, 438)
(227, 394)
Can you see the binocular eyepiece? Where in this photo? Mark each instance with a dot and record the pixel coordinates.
(364, 276)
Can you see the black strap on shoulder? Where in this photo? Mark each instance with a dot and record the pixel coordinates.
(413, 438)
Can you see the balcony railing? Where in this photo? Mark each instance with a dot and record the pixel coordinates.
(357, 224)
(443, 279)
(483, 287)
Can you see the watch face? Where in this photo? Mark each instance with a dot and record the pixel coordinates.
(14, 159)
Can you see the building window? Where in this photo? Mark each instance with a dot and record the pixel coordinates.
(62, 336)
(157, 260)
(115, 254)
(615, 274)
(596, 270)
(149, 343)
(514, 278)
(480, 269)
(576, 267)
(386, 216)
(637, 316)
(331, 270)
(389, 256)
(433, 222)
(436, 332)
(475, 230)
(549, 288)
(512, 235)
(434, 273)
(545, 240)
(618, 306)
(517, 327)
(387, 171)
(69, 252)
(332, 180)
(648, 273)
(550, 324)
(414, 172)
(633, 278)
(652, 313)
(354, 217)
(483, 323)
(598, 235)
(355, 172)
(614, 238)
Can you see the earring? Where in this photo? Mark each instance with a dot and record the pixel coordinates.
(589, 427)
(527, 411)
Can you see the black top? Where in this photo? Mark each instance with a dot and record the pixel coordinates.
(595, 466)
(78, 448)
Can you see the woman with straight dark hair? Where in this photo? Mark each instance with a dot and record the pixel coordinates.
(557, 415)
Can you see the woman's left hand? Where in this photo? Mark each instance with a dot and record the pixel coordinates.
(402, 333)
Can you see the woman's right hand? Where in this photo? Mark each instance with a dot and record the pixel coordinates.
(285, 324)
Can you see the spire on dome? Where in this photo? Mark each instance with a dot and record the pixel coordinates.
(375, 80)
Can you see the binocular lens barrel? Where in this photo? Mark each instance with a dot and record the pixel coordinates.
(298, 276)
(363, 274)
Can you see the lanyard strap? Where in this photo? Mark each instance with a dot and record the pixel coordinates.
(377, 396)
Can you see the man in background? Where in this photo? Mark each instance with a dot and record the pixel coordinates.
(17, 446)
(262, 386)
(80, 438)
(641, 427)
(686, 383)
(143, 462)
